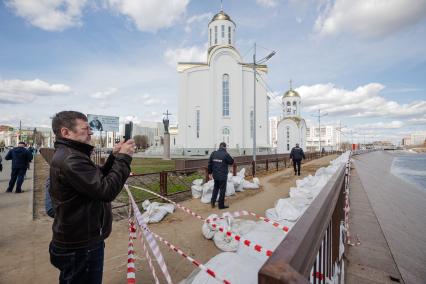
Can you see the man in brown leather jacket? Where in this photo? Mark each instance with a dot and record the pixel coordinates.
(81, 194)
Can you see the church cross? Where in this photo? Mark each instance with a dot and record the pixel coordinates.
(167, 114)
(291, 87)
(221, 5)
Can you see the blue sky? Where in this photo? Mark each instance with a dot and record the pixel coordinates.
(363, 62)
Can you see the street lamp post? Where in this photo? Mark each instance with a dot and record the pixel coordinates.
(263, 60)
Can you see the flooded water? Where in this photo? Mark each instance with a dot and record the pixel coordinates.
(411, 167)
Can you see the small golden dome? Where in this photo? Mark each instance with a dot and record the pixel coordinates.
(291, 93)
(221, 16)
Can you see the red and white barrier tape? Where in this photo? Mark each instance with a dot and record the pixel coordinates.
(131, 270)
(246, 242)
(148, 258)
(190, 259)
(149, 238)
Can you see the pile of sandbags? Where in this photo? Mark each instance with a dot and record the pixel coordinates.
(234, 184)
(155, 211)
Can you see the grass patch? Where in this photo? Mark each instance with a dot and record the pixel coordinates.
(151, 165)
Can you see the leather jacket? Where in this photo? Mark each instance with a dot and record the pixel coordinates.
(82, 192)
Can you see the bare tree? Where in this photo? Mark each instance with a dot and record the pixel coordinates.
(141, 141)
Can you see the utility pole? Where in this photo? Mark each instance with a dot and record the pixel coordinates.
(254, 104)
(319, 126)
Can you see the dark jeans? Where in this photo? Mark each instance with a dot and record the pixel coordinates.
(219, 187)
(17, 176)
(297, 163)
(84, 265)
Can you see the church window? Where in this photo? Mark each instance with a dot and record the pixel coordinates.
(288, 104)
(288, 132)
(210, 38)
(215, 34)
(223, 31)
(197, 123)
(225, 95)
(226, 133)
(288, 147)
(174, 141)
(229, 35)
(308, 132)
(251, 124)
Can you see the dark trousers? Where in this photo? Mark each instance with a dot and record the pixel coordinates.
(219, 187)
(297, 163)
(17, 176)
(83, 265)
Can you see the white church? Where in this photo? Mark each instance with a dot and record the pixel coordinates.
(216, 98)
(291, 129)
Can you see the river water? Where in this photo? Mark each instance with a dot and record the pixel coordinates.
(410, 167)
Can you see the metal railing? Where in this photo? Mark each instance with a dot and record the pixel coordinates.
(311, 250)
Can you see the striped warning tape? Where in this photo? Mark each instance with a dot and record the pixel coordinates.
(131, 271)
(246, 213)
(238, 238)
(190, 259)
(148, 258)
(149, 238)
(177, 250)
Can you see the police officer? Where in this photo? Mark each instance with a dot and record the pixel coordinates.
(296, 155)
(218, 168)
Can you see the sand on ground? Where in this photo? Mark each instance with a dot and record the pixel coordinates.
(24, 241)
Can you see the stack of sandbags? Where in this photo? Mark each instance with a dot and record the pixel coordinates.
(155, 211)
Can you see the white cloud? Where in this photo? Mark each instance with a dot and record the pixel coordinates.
(203, 18)
(369, 18)
(381, 125)
(267, 3)
(104, 94)
(50, 15)
(19, 92)
(188, 54)
(364, 101)
(150, 15)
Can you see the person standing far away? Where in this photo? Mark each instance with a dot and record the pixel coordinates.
(218, 170)
(21, 159)
(81, 194)
(297, 155)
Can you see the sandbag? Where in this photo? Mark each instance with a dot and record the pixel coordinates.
(230, 189)
(230, 266)
(197, 191)
(286, 210)
(197, 181)
(155, 211)
(250, 185)
(207, 229)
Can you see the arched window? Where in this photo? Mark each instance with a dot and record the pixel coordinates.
(229, 35)
(223, 31)
(225, 95)
(288, 104)
(197, 122)
(215, 34)
(225, 134)
(210, 38)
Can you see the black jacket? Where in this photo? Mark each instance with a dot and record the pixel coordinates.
(82, 192)
(297, 154)
(218, 164)
(20, 157)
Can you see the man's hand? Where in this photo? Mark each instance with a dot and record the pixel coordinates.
(117, 147)
(210, 176)
(128, 147)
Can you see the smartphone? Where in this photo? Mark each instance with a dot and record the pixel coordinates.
(128, 129)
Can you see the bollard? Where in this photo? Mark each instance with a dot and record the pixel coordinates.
(234, 169)
(276, 161)
(267, 165)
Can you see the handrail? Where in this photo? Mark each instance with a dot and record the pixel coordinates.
(293, 259)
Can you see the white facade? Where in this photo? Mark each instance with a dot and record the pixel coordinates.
(418, 138)
(292, 128)
(216, 97)
(330, 138)
(273, 123)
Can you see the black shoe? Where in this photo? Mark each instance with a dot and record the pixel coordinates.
(8, 191)
(295, 173)
(19, 191)
(298, 174)
(213, 205)
(224, 207)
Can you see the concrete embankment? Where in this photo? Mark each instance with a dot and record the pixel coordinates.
(388, 224)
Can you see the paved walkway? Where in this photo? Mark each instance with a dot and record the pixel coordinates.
(388, 219)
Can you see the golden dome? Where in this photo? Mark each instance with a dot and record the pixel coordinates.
(221, 16)
(291, 93)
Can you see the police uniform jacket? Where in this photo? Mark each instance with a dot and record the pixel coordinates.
(218, 164)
